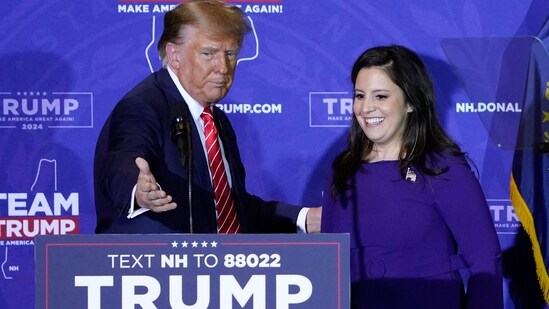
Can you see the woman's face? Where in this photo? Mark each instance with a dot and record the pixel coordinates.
(380, 108)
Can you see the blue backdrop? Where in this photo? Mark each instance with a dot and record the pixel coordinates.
(64, 65)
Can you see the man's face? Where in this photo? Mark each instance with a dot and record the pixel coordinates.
(205, 64)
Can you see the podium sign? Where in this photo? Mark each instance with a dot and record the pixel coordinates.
(192, 271)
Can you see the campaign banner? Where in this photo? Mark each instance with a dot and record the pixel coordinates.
(192, 271)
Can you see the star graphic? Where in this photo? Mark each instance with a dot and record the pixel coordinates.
(174, 244)
(195, 244)
(545, 116)
(204, 244)
(184, 244)
(213, 244)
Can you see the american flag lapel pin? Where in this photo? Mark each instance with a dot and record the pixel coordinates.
(411, 175)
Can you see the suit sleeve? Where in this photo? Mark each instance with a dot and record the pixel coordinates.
(132, 132)
(266, 216)
(260, 216)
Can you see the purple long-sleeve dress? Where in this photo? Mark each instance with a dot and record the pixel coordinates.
(405, 237)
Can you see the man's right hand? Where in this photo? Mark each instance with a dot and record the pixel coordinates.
(148, 194)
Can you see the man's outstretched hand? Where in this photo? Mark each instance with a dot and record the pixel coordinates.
(148, 194)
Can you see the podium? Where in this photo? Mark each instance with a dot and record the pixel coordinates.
(193, 271)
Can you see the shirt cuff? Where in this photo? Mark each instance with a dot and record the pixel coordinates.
(132, 213)
(302, 220)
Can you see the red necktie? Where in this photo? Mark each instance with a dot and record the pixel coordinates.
(227, 222)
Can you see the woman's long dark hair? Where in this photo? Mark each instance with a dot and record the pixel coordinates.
(423, 134)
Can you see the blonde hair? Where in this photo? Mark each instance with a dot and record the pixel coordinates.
(223, 19)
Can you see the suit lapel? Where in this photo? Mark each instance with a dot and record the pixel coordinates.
(200, 165)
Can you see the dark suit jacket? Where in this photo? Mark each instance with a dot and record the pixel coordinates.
(139, 126)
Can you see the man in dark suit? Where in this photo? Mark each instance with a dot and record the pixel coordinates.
(141, 183)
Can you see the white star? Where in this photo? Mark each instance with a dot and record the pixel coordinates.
(214, 244)
(184, 244)
(204, 244)
(174, 244)
(195, 244)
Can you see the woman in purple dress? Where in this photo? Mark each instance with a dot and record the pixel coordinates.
(421, 231)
